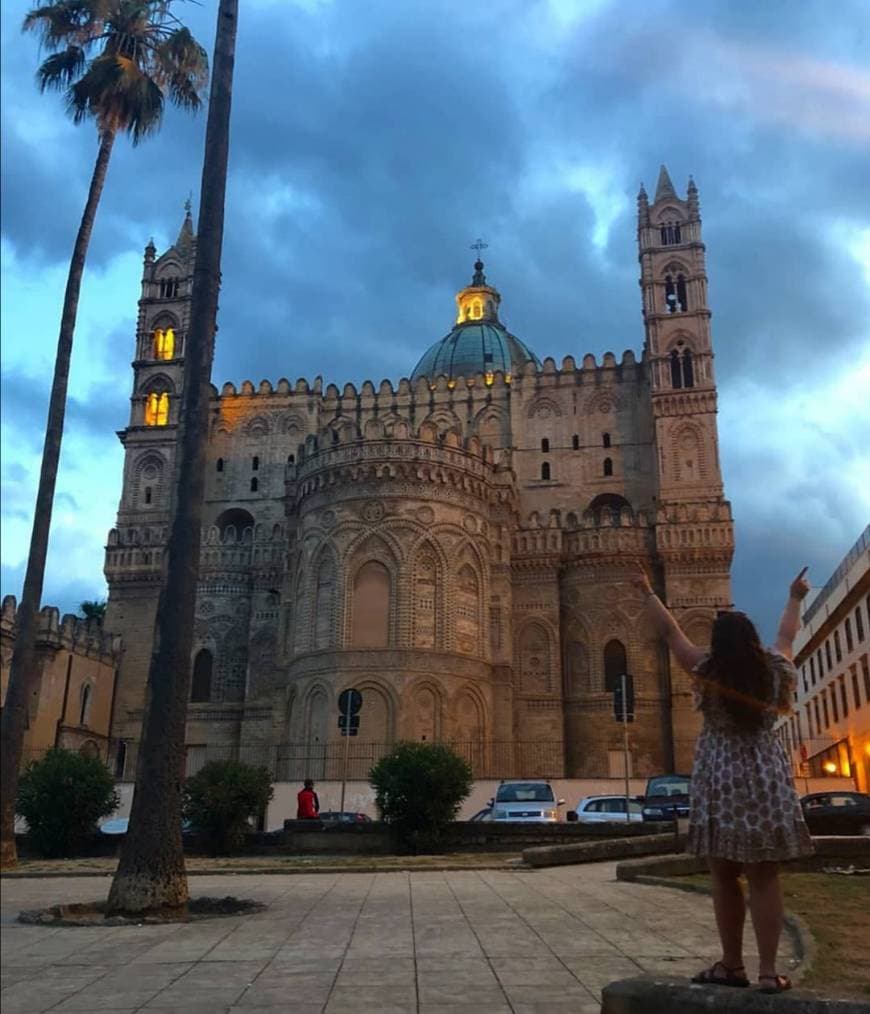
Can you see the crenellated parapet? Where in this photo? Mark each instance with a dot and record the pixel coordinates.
(84, 638)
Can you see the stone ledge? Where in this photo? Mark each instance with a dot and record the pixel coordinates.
(663, 995)
(831, 850)
(597, 851)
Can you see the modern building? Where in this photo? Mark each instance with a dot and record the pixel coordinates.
(459, 545)
(829, 732)
(71, 706)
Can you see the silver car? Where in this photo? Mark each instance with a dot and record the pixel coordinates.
(526, 802)
(599, 809)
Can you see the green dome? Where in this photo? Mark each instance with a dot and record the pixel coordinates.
(479, 343)
(471, 348)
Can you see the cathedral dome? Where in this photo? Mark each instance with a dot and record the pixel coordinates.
(479, 342)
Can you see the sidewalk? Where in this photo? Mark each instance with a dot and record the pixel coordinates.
(391, 943)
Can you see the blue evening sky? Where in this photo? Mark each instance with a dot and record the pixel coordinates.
(373, 140)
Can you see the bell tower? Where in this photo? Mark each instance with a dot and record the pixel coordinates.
(134, 554)
(677, 345)
(693, 528)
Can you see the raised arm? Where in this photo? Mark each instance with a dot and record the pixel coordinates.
(791, 615)
(686, 653)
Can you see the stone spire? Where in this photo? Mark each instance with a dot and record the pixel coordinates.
(664, 187)
(642, 206)
(692, 202)
(185, 233)
(478, 278)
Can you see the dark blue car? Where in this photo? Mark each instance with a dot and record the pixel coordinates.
(666, 797)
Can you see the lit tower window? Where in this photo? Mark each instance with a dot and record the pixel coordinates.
(164, 342)
(157, 409)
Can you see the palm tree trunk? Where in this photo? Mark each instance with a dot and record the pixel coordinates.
(23, 674)
(151, 873)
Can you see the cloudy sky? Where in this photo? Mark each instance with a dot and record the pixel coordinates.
(374, 140)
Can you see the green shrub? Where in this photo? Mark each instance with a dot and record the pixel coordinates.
(62, 796)
(222, 797)
(418, 790)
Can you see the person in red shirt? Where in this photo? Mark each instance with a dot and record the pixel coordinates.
(307, 803)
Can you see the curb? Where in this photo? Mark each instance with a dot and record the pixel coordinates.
(274, 871)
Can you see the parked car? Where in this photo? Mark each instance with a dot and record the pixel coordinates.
(837, 812)
(600, 809)
(484, 814)
(344, 817)
(666, 797)
(526, 802)
(118, 826)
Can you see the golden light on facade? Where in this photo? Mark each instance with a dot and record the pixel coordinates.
(488, 379)
(830, 767)
(164, 343)
(157, 409)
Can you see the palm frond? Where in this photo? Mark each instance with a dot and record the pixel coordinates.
(145, 57)
(59, 70)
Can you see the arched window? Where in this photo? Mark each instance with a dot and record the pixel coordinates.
(85, 708)
(236, 519)
(545, 470)
(615, 664)
(467, 611)
(157, 409)
(682, 299)
(255, 463)
(605, 440)
(291, 459)
(219, 465)
(670, 234)
(168, 288)
(147, 494)
(254, 485)
(608, 466)
(682, 371)
(371, 606)
(200, 687)
(670, 295)
(545, 445)
(164, 342)
(575, 442)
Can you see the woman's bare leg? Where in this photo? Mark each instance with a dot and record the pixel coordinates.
(765, 905)
(730, 908)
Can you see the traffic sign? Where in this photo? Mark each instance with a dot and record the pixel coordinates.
(349, 701)
(348, 722)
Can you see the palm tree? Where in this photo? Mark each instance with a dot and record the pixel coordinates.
(151, 874)
(116, 61)
(93, 611)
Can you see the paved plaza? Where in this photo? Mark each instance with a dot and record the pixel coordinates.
(394, 943)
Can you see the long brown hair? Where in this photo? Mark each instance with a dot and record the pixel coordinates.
(738, 672)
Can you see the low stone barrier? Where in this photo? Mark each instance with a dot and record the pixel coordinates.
(663, 995)
(602, 850)
(831, 850)
(371, 838)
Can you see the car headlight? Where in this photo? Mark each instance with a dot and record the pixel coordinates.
(551, 814)
(653, 811)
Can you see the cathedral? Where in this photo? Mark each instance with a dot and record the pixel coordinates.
(458, 546)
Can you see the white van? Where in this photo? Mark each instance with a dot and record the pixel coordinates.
(526, 802)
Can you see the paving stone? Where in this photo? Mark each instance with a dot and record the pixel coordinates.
(483, 942)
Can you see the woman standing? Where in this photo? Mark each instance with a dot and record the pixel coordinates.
(745, 815)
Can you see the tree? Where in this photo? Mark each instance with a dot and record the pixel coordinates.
(116, 61)
(150, 873)
(418, 789)
(93, 610)
(221, 799)
(62, 796)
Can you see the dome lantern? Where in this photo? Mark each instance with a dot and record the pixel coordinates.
(479, 342)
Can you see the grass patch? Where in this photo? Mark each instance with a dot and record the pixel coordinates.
(837, 910)
(283, 863)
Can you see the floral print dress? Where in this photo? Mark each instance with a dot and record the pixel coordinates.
(744, 804)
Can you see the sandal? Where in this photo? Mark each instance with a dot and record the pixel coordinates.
(778, 983)
(733, 976)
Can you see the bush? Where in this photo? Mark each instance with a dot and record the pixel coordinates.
(62, 796)
(222, 797)
(418, 790)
